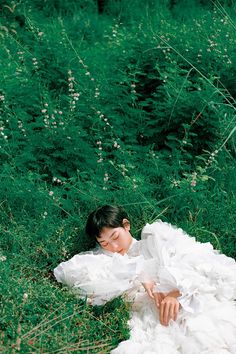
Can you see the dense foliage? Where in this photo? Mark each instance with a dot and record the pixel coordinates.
(124, 102)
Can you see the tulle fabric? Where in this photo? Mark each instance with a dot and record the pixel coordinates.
(206, 279)
(100, 277)
(181, 262)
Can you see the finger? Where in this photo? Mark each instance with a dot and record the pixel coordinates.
(157, 301)
(160, 298)
(176, 311)
(171, 312)
(150, 293)
(161, 313)
(157, 298)
(166, 313)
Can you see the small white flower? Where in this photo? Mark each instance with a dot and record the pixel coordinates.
(3, 258)
(51, 193)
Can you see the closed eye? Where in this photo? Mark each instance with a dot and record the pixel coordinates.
(104, 244)
(116, 237)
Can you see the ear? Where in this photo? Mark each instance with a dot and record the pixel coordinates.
(126, 224)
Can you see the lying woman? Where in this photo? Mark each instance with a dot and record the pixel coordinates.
(182, 290)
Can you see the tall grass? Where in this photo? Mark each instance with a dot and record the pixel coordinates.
(134, 106)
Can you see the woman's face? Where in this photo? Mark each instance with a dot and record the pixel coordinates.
(116, 239)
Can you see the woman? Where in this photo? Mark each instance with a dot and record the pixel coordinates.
(182, 291)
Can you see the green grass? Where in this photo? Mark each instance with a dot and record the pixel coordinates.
(134, 106)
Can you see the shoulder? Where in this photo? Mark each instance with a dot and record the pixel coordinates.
(159, 227)
(162, 232)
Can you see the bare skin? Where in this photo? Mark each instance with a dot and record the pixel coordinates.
(166, 303)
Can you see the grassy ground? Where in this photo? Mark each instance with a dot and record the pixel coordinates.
(133, 106)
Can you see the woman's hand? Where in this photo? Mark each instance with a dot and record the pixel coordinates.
(148, 286)
(167, 303)
(168, 306)
(158, 297)
(168, 309)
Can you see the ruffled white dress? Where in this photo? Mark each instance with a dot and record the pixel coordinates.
(206, 323)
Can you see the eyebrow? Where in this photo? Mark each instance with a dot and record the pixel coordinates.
(108, 237)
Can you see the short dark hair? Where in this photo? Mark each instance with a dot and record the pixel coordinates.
(105, 216)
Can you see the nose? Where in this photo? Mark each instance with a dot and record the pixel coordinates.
(115, 247)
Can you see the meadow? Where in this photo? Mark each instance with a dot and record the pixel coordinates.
(129, 103)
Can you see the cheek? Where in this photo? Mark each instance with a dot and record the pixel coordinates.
(123, 241)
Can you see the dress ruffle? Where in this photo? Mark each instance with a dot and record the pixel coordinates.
(100, 277)
(192, 267)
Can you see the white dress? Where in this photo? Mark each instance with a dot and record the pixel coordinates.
(206, 323)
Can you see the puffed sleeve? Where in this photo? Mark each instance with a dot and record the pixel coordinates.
(182, 263)
(99, 277)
